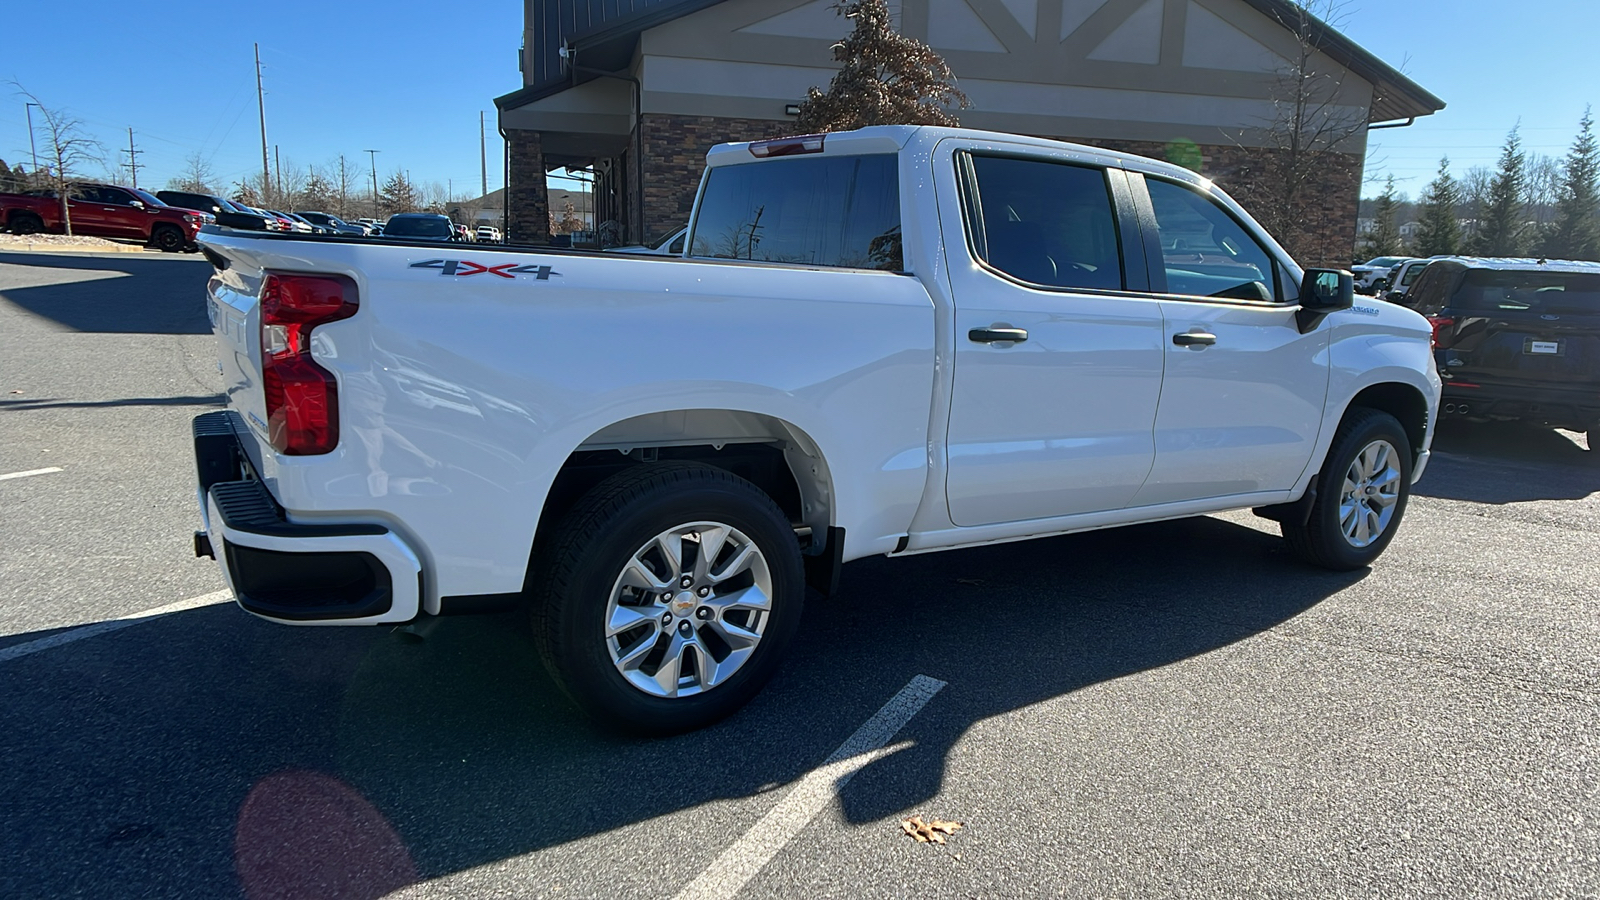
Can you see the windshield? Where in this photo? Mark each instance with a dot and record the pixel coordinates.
(1384, 261)
(149, 199)
(1540, 292)
(418, 227)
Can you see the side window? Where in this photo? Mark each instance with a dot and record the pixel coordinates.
(1206, 252)
(676, 247)
(113, 195)
(821, 211)
(84, 193)
(1045, 223)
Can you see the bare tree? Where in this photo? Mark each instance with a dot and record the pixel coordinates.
(67, 147)
(196, 178)
(343, 181)
(317, 194)
(887, 78)
(1308, 137)
(1544, 180)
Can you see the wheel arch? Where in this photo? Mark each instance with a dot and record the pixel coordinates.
(1403, 401)
(776, 455)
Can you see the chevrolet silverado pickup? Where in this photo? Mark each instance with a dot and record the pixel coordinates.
(894, 340)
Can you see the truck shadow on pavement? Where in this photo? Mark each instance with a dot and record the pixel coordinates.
(138, 761)
(116, 293)
(1508, 463)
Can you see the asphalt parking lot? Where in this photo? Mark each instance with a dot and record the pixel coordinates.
(1168, 710)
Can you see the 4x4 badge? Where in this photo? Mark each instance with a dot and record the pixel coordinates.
(463, 267)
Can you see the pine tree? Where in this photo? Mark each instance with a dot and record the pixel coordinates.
(317, 195)
(1440, 234)
(1576, 233)
(1384, 239)
(887, 78)
(1504, 217)
(399, 195)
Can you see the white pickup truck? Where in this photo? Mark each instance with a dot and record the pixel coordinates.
(888, 341)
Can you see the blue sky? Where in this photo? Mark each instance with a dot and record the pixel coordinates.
(409, 79)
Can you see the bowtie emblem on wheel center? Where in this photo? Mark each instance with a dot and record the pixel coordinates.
(684, 603)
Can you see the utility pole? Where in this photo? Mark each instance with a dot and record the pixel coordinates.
(31, 145)
(344, 186)
(373, 154)
(133, 159)
(261, 106)
(483, 155)
(277, 163)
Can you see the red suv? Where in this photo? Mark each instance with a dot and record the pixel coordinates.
(104, 210)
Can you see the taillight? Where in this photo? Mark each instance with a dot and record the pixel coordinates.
(302, 397)
(789, 146)
(1440, 323)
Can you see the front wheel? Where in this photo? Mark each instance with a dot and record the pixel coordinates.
(1361, 494)
(26, 223)
(168, 239)
(667, 597)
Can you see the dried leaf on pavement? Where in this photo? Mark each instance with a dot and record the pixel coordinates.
(926, 831)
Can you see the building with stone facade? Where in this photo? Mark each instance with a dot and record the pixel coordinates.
(641, 89)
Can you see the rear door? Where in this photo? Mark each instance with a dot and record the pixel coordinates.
(1522, 327)
(1243, 395)
(1058, 354)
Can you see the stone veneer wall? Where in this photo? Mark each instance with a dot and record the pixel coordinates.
(528, 197)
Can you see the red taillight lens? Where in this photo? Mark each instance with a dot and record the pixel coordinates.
(1440, 323)
(302, 397)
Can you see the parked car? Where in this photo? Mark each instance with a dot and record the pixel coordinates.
(228, 214)
(669, 245)
(105, 210)
(1372, 276)
(1516, 339)
(488, 233)
(1401, 277)
(943, 338)
(463, 233)
(293, 224)
(335, 225)
(420, 227)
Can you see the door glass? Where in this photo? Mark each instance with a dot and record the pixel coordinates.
(1046, 223)
(118, 197)
(1206, 251)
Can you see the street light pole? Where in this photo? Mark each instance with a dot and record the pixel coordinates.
(31, 145)
(373, 155)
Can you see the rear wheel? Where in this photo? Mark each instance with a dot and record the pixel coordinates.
(26, 223)
(1361, 494)
(167, 238)
(667, 597)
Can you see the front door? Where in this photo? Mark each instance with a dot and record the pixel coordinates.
(1057, 365)
(1243, 396)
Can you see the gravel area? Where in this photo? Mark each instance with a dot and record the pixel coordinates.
(75, 243)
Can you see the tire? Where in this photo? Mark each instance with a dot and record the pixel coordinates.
(167, 238)
(1362, 493)
(26, 223)
(608, 568)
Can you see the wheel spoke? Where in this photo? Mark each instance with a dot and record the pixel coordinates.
(739, 563)
(638, 575)
(627, 618)
(629, 661)
(752, 597)
(671, 546)
(712, 540)
(736, 637)
(671, 669)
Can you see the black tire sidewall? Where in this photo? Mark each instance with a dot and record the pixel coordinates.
(581, 656)
(27, 224)
(168, 238)
(1376, 426)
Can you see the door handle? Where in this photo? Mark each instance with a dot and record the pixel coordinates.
(997, 334)
(1194, 339)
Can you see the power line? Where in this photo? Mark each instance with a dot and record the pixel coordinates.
(133, 159)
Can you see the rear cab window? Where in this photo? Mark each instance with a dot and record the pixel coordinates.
(1511, 290)
(835, 211)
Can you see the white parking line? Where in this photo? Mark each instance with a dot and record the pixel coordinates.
(10, 475)
(16, 651)
(729, 873)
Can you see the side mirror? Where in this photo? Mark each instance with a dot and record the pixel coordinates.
(1324, 291)
(137, 204)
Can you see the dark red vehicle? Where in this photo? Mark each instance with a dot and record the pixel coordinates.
(103, 210)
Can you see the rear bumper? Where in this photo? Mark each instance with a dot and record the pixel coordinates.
(1576, 410)
(296, 573)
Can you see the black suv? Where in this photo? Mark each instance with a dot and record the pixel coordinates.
(1516, 338)
(229, 214)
